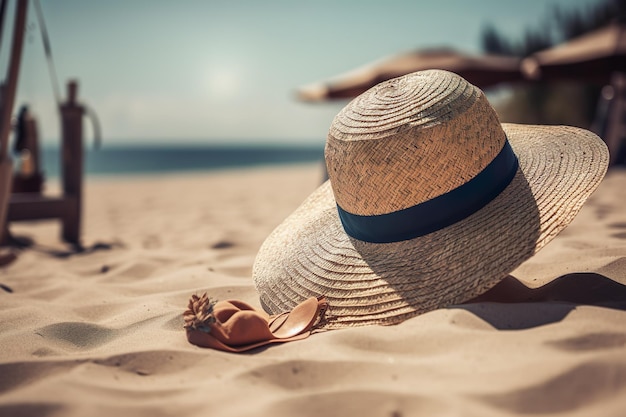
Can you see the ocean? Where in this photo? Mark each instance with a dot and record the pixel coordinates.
(145, 160)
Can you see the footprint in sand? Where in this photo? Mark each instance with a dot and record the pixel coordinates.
(80, 335)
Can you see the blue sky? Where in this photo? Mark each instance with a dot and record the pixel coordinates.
(193, 71)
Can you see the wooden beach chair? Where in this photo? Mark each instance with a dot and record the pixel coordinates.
(31, 204)
(25, 206)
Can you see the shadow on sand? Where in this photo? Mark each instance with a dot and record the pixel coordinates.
(513, 305)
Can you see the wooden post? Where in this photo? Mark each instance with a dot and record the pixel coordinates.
(6, 180)
(615, 118)
(6, 110)
(72, 162)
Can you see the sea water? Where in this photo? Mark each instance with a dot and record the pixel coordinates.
(111, 160)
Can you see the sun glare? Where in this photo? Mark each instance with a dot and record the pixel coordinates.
(224, 82)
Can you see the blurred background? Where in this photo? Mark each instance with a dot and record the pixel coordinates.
(210, 84)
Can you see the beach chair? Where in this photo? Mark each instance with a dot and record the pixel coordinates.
(27, 202)
(25, 206)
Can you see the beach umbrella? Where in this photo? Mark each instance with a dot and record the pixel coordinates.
(594, 56)
(598, 56)
(482, 71)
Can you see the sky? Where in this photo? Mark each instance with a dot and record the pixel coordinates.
(218, 71)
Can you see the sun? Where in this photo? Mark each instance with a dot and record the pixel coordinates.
(224, 82)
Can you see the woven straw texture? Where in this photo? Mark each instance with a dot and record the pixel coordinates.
(403, 142)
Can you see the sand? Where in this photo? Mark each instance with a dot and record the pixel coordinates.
(100, 333)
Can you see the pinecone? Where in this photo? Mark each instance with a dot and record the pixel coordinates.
(199, 313)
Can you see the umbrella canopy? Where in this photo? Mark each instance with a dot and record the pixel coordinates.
(593, 56)
(482, 71)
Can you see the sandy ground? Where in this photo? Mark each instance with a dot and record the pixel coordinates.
(100, 333)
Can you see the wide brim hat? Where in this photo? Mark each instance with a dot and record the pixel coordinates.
(431, 201)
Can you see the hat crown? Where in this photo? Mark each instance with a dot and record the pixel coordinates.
(409, 140)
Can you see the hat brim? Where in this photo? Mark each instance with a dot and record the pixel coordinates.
(310, 254)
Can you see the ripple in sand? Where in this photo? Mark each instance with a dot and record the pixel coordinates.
(133, 271)
(311, 375)
(356, 402)
(18, 374)
(590, 342)
(175, 323)
(153, 362)
(575, 388)
(30, 409)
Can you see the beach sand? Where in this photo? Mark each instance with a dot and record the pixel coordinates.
(100, 333)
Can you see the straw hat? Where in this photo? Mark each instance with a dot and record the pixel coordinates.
(431, 202)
